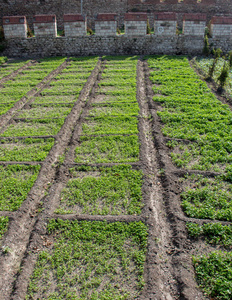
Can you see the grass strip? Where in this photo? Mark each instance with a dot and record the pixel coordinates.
(91, 260)
(15, 183)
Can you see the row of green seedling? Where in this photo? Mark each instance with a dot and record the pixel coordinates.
(191, 112)
(115, 116)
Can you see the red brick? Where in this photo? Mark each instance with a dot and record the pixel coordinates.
(106, 17)
(194, 17)
(165, 16)
(73, 18)
(221, 20)
(44, 18)
(14, 20)
(136, 16)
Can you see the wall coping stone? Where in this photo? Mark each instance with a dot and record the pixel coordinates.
(165, 16)
(74, 18)
(106, 17)
(44, 19)
(138, 16)
(9, 20)
(194, 17)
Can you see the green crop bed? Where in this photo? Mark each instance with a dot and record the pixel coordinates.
(10, 67)
(117, 149)
(91, 260)
(214, 274)
(36, 127)
(4, 221)
(54, 111)
(14, 89)
(190, 111)
(114, 109)
(110, 125)
(15, 183)
(108, 191)
(25, 150)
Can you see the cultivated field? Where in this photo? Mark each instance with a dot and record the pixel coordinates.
(116, 180)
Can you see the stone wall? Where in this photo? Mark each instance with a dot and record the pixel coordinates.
(118, 45)
(91, 8)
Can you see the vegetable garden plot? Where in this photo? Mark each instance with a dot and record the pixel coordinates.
(110, 125)
(13, 90)
(10, 67)
(207, 198)
(108, 149)
(54, 99)
(45, 112)
(15, 183)
(190, 111)
(36, 127)
(104, 191)
(114, 109)
(29, 149)
(90, 260)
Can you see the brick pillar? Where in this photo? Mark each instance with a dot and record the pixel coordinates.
(165, 24)
(136, 24)
(221, 26)
(106, 24)
(15, 27)
(75, 25)
(45, 25)
(194, 24)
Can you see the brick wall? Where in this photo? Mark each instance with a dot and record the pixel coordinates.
(165, 24)
(194, 24)
(15, 27)
(45, 25)
(74, 25)
(221, 26)
(106, 24)
(135, 24)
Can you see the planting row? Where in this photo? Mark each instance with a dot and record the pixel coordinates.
(107, 261)
(34, 121)
(189, 111)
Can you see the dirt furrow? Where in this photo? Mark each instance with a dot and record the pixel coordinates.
(180, 246)
(20, 228)
(160, 281)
